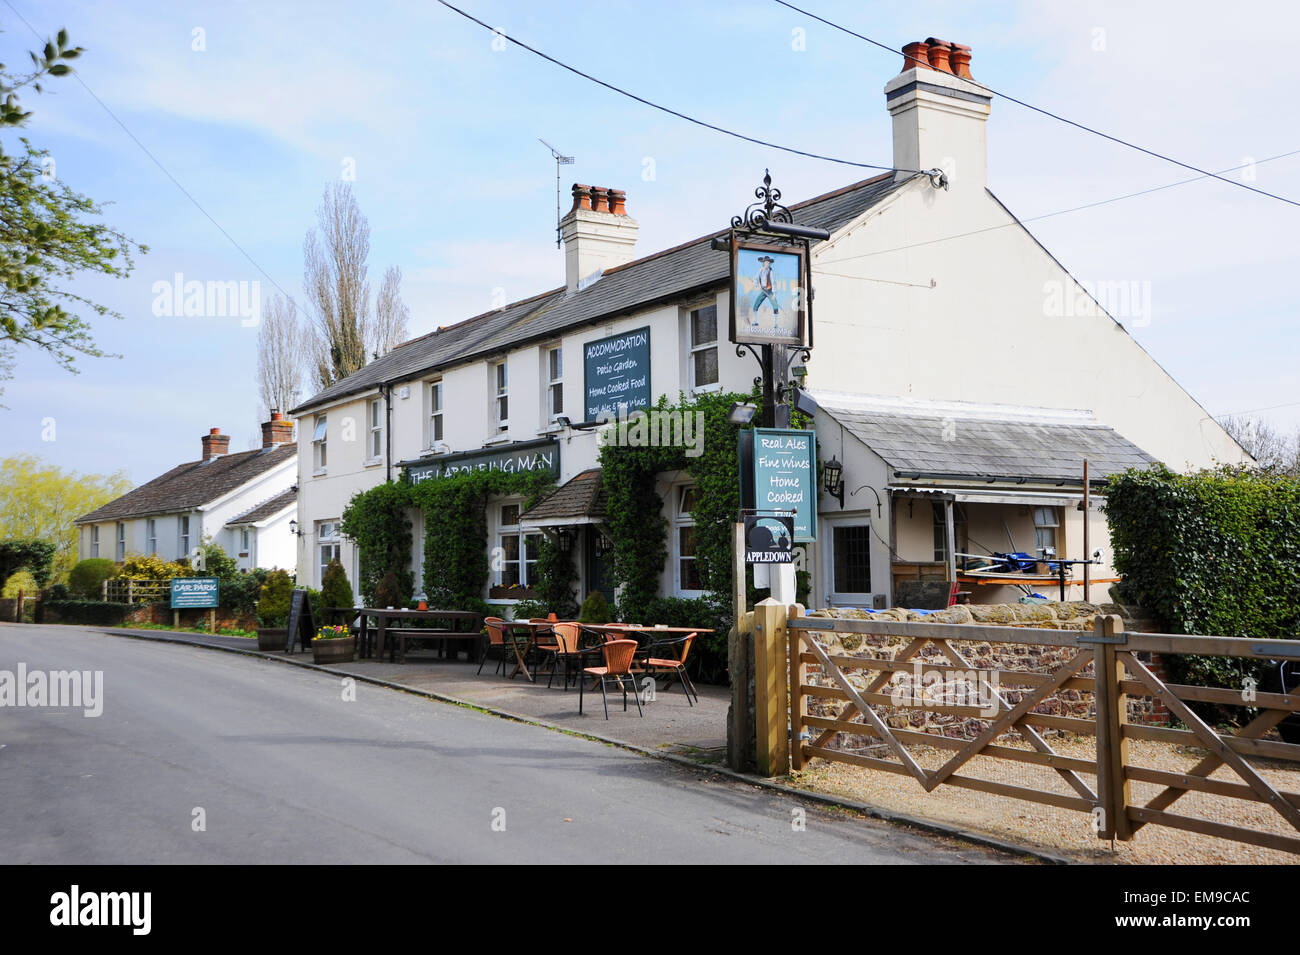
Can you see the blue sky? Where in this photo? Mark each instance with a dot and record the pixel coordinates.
(443, 133)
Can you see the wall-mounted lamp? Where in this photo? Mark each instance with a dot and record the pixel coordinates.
(563, 421)
(742, 413)
(293, 527)
(833, 474)
(564, 540)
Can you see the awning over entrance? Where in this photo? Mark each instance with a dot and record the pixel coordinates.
(580, 500)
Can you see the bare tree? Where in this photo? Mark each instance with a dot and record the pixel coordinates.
(283, 350)
(388, 330)
(334, 256)
(1272, 450)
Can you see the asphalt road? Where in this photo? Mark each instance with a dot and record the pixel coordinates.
(285, 770)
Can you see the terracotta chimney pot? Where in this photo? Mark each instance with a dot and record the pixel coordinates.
(938, 51)
(581, 196)
(914, 55)
(959, 58)
(599, 199)
(618, 202)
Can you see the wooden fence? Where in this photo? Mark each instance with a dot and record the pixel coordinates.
(126, 590)
(1106, 664)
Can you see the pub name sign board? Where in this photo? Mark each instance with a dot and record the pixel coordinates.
(522, 457)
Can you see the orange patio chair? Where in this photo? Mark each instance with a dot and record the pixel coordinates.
(617, 668)
(567, 648)
(657, 660)
(496, 643)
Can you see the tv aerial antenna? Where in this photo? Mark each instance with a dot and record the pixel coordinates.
(560, 160)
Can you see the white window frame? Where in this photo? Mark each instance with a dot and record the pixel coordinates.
(151, 535)
(245, 539)
(319, 438)
(437, 403)
(120, 544)
(553, 375)
(500, 384)
(504, 530)
(1054, 515)
(327, 536)
(693, 349)
(837, 598)
(94, 540)
(183, 536)
(375, 437)
(682, 519)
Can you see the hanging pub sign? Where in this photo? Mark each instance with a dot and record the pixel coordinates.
(769, 539)
(778, 472)
(769, 292)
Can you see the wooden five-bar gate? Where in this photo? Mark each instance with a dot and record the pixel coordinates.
(794, 670)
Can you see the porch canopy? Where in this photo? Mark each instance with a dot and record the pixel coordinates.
(928, 444)
(961, 454)
(580, 500)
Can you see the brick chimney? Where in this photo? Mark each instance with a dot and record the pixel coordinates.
(276, 431)
(215, 444)
(598, 234)
(939, 113)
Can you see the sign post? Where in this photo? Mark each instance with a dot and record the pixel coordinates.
(203, 593)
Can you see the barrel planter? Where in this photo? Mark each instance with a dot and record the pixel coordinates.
(272, 639)
(339, 650)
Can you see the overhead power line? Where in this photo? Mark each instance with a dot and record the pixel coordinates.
(1046, 112)
(664, 109)
(1059, 212)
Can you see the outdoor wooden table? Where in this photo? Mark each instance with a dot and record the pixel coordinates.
(385, 618)
(521, 656)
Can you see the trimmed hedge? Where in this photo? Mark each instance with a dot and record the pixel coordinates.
(97, 612)
(1216, 552)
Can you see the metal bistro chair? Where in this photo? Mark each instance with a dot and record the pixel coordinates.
(674, 664)
(618, 667)
(568, 649)
(496, 644)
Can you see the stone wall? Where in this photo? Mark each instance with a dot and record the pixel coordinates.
(992, 661)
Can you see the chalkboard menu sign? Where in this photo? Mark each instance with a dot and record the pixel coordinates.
(301, 626)
(616, 375)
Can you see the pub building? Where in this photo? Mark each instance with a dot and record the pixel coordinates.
(959, 378)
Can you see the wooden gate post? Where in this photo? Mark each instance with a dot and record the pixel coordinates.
(1113, 790)
(771, 705)
(798, 702)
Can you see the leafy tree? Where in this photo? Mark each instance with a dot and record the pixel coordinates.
(27, 553)
(276, 596)
(42, 500)
(48, 235)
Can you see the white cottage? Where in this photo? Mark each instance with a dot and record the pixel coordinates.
(244, 501)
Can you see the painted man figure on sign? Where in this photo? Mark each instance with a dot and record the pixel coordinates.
(766, 292)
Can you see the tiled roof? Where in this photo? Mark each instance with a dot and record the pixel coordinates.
(983, 442)
(582, 496)
(636, 285)
(193, 484)
(268, 508)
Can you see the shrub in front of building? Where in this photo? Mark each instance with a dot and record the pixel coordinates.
(23, 582)
(595, 609)
(152, 567)
(1215, 552)
(336, 591)
(274, 599)
(86, 579)
(90, 612)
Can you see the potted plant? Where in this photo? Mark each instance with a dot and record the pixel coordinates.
(273, 611)
(334, 645)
